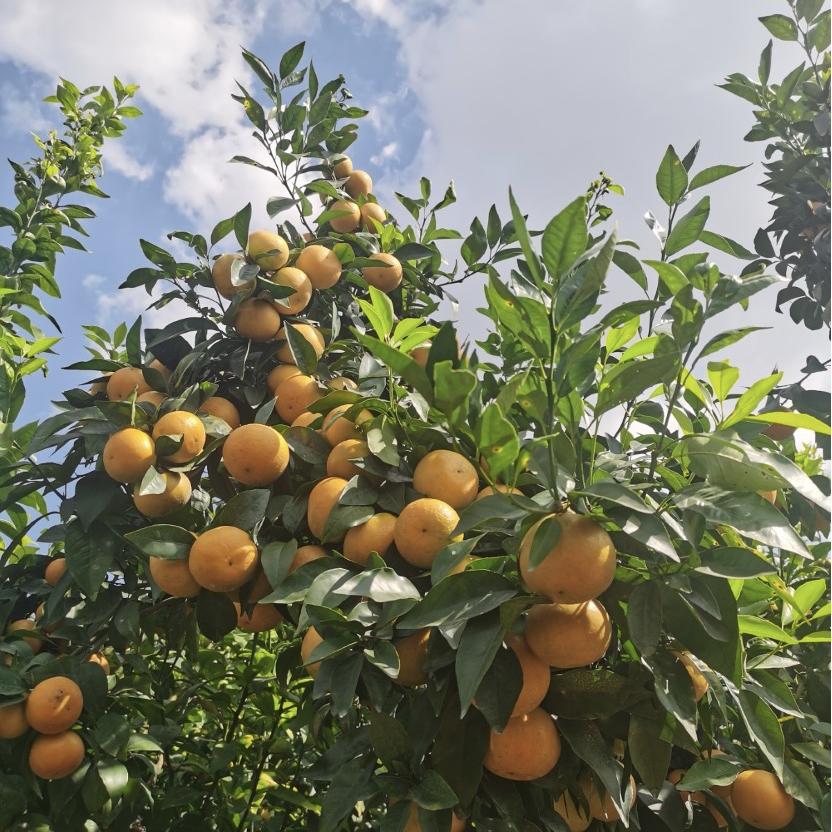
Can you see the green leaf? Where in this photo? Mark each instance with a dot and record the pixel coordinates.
(648, 751)
(565, 238)
(497, 440)
(501, 685)
(524, 240)
(302, 351)
(673, 689)
(723, 376)
(276, 558)
(452, 388)
(752, 625)
(800, 782)
(732, 562)
(413, 251)
(244, 510)
(764, 728)
(626, 380)
(630, 266)
(713, 174)
(459, 749)
(546, 537)
(380, 585)
(89, 556)
(752, 397)
(433, 792)
(215, 614)
(726, 244)
(715, 771)
(162, 541)
(480, 641)
(644, 617)
(290, 59)
(379, 312)
(400, 363)
(726, 339)
(791, 419)
(782, 27)
(687, 230)
(671, 177)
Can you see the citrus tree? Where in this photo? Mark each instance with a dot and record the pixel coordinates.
(319, 563)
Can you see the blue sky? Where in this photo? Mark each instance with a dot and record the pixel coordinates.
(539, 94)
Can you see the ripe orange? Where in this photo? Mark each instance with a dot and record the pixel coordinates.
(387, 275)
(420, 355)
(311, 639)
(322, 500)
(124, 382)
(697, 678)
(340, 462)
(312, 335)
(779, 433)
(26, 625)
(152, 397)
(413, 653)
(297, 280)
(55, 570)
(769, 496)
(13, 722)
(259, 618)
(536, 677)
(306, 554)
(222, 559)
(341, 383)
(101, 661)
(422, 529)
(601, 806)
(568, 635)
(320, 265)
(343, 168)
(527, 748)
(173, 577)
(257, 319)
(573, 815)
(446, 476)
(279, 374)
(376, 535)
(160, 368)
(54, 704)
(176, 494)
(359, 184)
(255, 454)
(308, 419)
(56, 756)
(579, 567)
(372, 211)
(761, 801)
(268, 250)
(221, 408)
(336, 427)
(128, 454)
(347, 222)
(221, 274)
(189, 427)
(499, 488)
(413, 824)
(294, 395)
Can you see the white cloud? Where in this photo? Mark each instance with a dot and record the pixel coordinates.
(93, 281)
(127, 304)
(119, 159)
(20, 112)
(386, 154)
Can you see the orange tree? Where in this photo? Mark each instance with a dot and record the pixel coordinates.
(320, 565)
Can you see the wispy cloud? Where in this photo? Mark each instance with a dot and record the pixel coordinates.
(119, 158)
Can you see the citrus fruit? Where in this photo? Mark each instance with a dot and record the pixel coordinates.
(221, 408)
(499, 488)
(350, 217)
(414, 825)
(279, 374)
(342, 168)
(311, 639)
(375, 535)
(189, 427)
(578, 567)
(306, 554)
(124, 382)
(697, 678)
(255, 454)
(573, 815)
(294, 395)
(312, 335)
(268, 250)
(413, 653)
(257, 618)
(527, 748)
(55, 570)
(536, 677)
(221, 274)
(128, 454)
(176, 494)
(358, 184)
(152, 397)
(341, 383)
(295, 279)
(54, 704)
(446, 476)
(223, 558)
(13, 722)
(308, 419)
(422, 529)
(322, 499)
(337, 427)
(387, 275)
(173, 577)
(420, 355)
(601, 806)
(761, 801)
(101, 661)
(26, 625)
(57, 756)
(320, 265)
(372, 213)
(568, 635)
(340, 462)
(257, 319)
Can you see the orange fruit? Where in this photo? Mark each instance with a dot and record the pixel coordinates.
(372, 211)
(294, 396)
(189, 427)
(601, 806)
(575, 818)
(160, 368)
(446, 476)
(358, 184)
(295, 279)
(25, 625)
(55, 570)
(257, 319)
(387, 275)
(307, 419)
(311, 639)
(152, 397)
(56, 756)
(347, 222)
(221, 408)
(413, 653)
(124, 382)
(527, 748)
(222, 559)
(306, 554)
(579, 567)
(413, 824)
(320, 265)
(268, 250)
(128, 454)
(769, 496)
(342, 168)
(341, 383)
(420, 355)
(100, 660)
(568, 635)
(499, 488)
(312, 335)
(336, 427)
(221, 274)
(255, 454)
(176, 494)
(322, 499)
(761, 801)
(54, 704)
(173, 577)
(697, 678)
(779, 433)
(536, 677)
(376, 535)
(340, 463)
(422, 529)
(13, 722)
(259, 618)
(279, 374)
